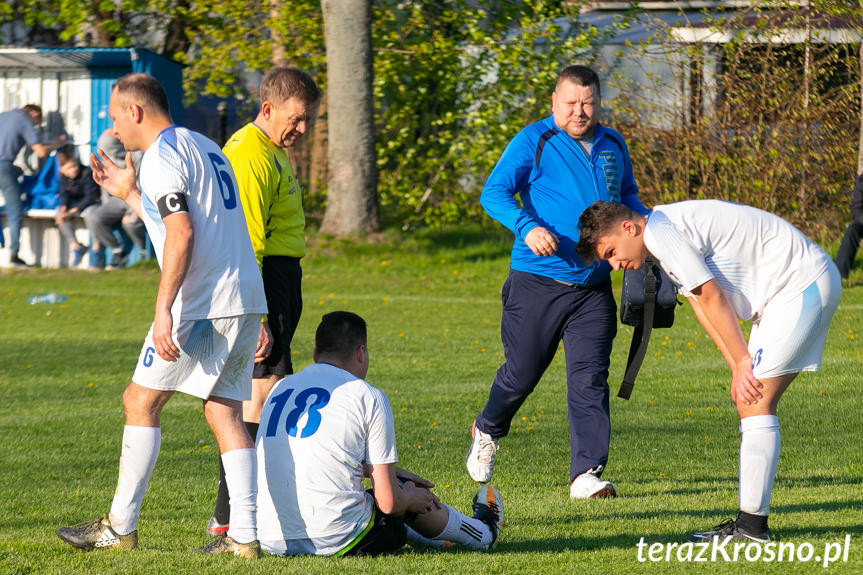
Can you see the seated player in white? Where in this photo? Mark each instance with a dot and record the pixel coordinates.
(324, 429)
(734, 262)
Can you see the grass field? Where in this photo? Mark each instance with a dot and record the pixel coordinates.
(432, 303)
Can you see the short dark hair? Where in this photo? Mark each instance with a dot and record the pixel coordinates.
(282, 83)
(580, 76)
(33, 108)
(66, 154)
(144, 90)
(339, 334)
(598, 220)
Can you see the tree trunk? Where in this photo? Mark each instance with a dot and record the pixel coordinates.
(802, 195)
(176, 35)
(352, 203)
(860, 143)
(279, 53)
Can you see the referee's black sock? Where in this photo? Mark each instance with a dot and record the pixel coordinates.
(252, 428)
(222, 512)
(752, 524)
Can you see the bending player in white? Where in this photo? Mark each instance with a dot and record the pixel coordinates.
(733, 261)
(324, 429)
(208, 310)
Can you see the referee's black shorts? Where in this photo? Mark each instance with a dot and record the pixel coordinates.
(282, 284)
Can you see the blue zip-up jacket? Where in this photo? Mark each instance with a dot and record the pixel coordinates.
(554, 193)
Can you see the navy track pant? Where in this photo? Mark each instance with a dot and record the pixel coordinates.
(537, 313)
(848, 248)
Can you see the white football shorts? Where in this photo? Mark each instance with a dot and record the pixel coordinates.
(216, 358)
(789, 337)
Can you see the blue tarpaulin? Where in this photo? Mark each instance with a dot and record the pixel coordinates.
(43, 189)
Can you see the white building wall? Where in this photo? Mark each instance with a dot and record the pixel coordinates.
(65, 99)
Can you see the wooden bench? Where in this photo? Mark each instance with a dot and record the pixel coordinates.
(42, 243)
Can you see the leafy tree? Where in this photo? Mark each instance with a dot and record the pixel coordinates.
(768, 125)
(454, 81)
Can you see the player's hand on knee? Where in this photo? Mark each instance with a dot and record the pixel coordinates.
(745, 387)
(406, 475)
(421, 499)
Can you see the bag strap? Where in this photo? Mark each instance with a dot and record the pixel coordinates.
(641, 335)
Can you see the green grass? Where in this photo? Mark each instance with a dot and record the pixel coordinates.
(432, 303)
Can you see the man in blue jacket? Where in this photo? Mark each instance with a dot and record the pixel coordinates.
(557, 167)
(17, 128)
(854, 233)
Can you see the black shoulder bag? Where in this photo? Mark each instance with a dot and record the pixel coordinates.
(647, 300)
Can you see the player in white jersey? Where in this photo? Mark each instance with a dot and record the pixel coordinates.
(735, 262)
(324, 429)
(208, 310)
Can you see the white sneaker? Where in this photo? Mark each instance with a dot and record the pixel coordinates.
(588, 485)
(480, 458)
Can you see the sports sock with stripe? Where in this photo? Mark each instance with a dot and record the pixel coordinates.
(137, 460)
(464, 530)
(415, 539)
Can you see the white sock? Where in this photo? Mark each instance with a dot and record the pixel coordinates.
(137, 460)
(241, 472)
(464, 530)
(759, 455)
(416, 539)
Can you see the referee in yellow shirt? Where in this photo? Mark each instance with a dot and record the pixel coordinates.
(273, 205)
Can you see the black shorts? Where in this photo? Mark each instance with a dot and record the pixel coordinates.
(282, 284)
(386, 535)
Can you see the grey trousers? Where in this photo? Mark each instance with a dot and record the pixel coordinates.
(67, 228)
(102, 220)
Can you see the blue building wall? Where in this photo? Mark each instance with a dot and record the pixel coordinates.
(106, 65)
